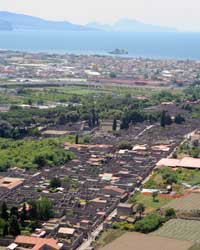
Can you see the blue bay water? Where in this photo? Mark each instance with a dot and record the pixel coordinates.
(152, 45)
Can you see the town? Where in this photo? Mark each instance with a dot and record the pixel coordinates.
(91, 155)
(18, 67)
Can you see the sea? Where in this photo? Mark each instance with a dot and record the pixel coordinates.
(181, 46)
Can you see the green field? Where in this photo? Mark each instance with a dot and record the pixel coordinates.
(180, 230)
(148, 202)
(23, 94)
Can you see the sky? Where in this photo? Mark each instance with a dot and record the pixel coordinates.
(181, 14)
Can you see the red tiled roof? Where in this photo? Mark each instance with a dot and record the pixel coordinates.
(37, 242)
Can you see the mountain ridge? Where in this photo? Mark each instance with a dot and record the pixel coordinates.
(13, 21)
(128, 25)
(21, 21)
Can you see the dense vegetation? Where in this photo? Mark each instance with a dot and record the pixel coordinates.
(149, 223)
(82, 104)
(187, 149)
(15, 221)
(166, 176)
(32, 153)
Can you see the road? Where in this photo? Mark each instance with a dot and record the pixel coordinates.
(86, 244)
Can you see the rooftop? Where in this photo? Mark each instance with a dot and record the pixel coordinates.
(10, 183)
(186, 162)
(35, 243)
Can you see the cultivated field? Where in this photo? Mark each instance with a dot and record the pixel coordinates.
(137, 241)
(187, 204)
(181, 230)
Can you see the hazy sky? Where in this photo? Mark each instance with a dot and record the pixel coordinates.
(182, 14)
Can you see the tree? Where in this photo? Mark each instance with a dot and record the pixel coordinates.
(169, 177)
(14, 212)
(163, 119)
(33, 225)
(168, 119)
(125, 145)
(40, 160)
(2, 224)
(55, 182)
(4, 212)
(5, 229)
(150, 223)
(5, 129)
(30, 102)
(62, 119)
(76, 139)
(114, 126)
(169, 212)
(179, 119)
(44, 208)
(14, 228)
(90, 123)
(93, 118)
(154, 195)
(132, 116)
(33, 215)
(23, 214)
(113, 75)
(140, 209)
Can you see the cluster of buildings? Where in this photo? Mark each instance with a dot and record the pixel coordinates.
(46, 68)
(181, 231)
(95, 186)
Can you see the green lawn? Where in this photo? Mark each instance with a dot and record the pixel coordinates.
(148, 202)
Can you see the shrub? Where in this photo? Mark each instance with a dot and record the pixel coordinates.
(149, 223)
(169, 212)
(125, 145)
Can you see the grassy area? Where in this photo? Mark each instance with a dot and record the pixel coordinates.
(186, 149)
(189, 176)
(107, 237)
(32, 153)
(63, 94)
(180, 230)
(148, 202)
(58, 94)
(6, 98)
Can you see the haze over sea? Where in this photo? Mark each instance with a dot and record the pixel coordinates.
(152, 45)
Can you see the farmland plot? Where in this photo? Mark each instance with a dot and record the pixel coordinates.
(180, 229)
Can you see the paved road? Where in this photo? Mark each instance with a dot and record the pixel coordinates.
(86, 244)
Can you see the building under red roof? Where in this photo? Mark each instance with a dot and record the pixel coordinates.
(34, 243)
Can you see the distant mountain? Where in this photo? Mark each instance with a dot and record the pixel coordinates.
(126, 25)
(13, 21)
(4, 25)
(20, 21)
